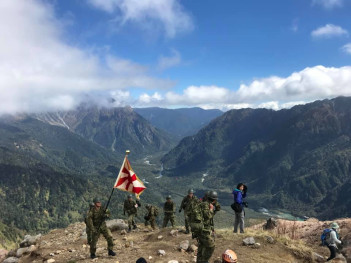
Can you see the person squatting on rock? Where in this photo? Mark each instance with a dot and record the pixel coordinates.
(185, 205)
(239, 193)
(169, 209)
(333, 240)
(130, 206)
(87, 228)
(201, 220)
(150, 217)
(96, 222)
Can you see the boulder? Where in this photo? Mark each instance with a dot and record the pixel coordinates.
(21, 251)
(248, 241)
(271, 224)
(11, 260)
(269, 239)
(184, 245)
(256, 245)
(161, 252)
(174, 233)
(116, 224)
(30, 240)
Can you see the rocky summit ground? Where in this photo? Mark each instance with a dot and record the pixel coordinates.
(290, 241)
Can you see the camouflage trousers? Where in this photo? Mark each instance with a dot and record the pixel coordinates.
(95, 237)
(89, 234)
(168, 217)
(151, 221)
(186, 220)
(131, 221)
(206, 247)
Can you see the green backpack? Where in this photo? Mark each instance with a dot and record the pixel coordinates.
(195, 217)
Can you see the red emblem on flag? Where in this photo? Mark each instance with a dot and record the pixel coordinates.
(127, 180)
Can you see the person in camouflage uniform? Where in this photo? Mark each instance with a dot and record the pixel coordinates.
(169, 209)
(216, 204)
(87, 228)
(206, 242)
(130, 206)
(96, 222)
(150, 217)
(186, 205)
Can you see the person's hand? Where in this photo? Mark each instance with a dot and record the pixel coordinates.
(245, 188)
(211, 207)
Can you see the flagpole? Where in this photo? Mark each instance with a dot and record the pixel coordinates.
(108, 202)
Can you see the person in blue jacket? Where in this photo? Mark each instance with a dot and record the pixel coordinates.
(239, 194)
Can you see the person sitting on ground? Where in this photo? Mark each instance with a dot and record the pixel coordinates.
(229, 256)
(333, 240)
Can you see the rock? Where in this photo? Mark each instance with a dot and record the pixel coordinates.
(150, 257)
(271, 224)
(51, 260)
(161, 252)
(269, 239)
(184, 245)
(30, 240)
(12, 253)
(317, 258)
(256, 245)
(123, 232)
(124, 238)
(174, 233)
(52, 254)
(173, 261)
(11, 260)
(248, 241)
(193, 248)
(116, 224)
(21, 251)
(159, 237)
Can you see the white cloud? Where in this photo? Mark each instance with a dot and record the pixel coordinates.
(347, 48)
(39, 71)
(274, 92)
(148, 14)
(329, 30)
(168, 62)
(328, 4)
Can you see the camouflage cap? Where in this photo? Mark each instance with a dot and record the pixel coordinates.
(212, 195)
(130, 196)
(190, 191)
(168, 197)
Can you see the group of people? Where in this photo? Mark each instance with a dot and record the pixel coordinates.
(198, 217)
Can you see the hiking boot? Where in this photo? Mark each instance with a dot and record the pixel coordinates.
(134, 227)
(92, 255)
(111, 253)
(187, 231)
(129, 229)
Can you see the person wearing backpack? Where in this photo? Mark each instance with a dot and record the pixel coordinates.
(330, 238)
(239, 194)
(202, 228)
(185, 205)
(150, 217)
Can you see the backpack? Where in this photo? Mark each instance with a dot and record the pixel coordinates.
(325, 236)
(236, 207)
(195, 217)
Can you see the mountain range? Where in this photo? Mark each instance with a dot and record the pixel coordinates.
(295, 159)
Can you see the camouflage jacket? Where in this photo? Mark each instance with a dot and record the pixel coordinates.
(186, 202)
(96, 218)
(207, 215)
(169, 207)
(130, 207)
(152, 211)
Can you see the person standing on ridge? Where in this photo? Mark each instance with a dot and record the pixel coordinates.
(217, 205)
(185, 205)
(169, 209)
(240, 193)
(205, 237)
(96, 222)
(333, 240)
(130, 206)
(150, 217)
(87, 228)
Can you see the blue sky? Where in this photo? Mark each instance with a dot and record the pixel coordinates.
(170, 53)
